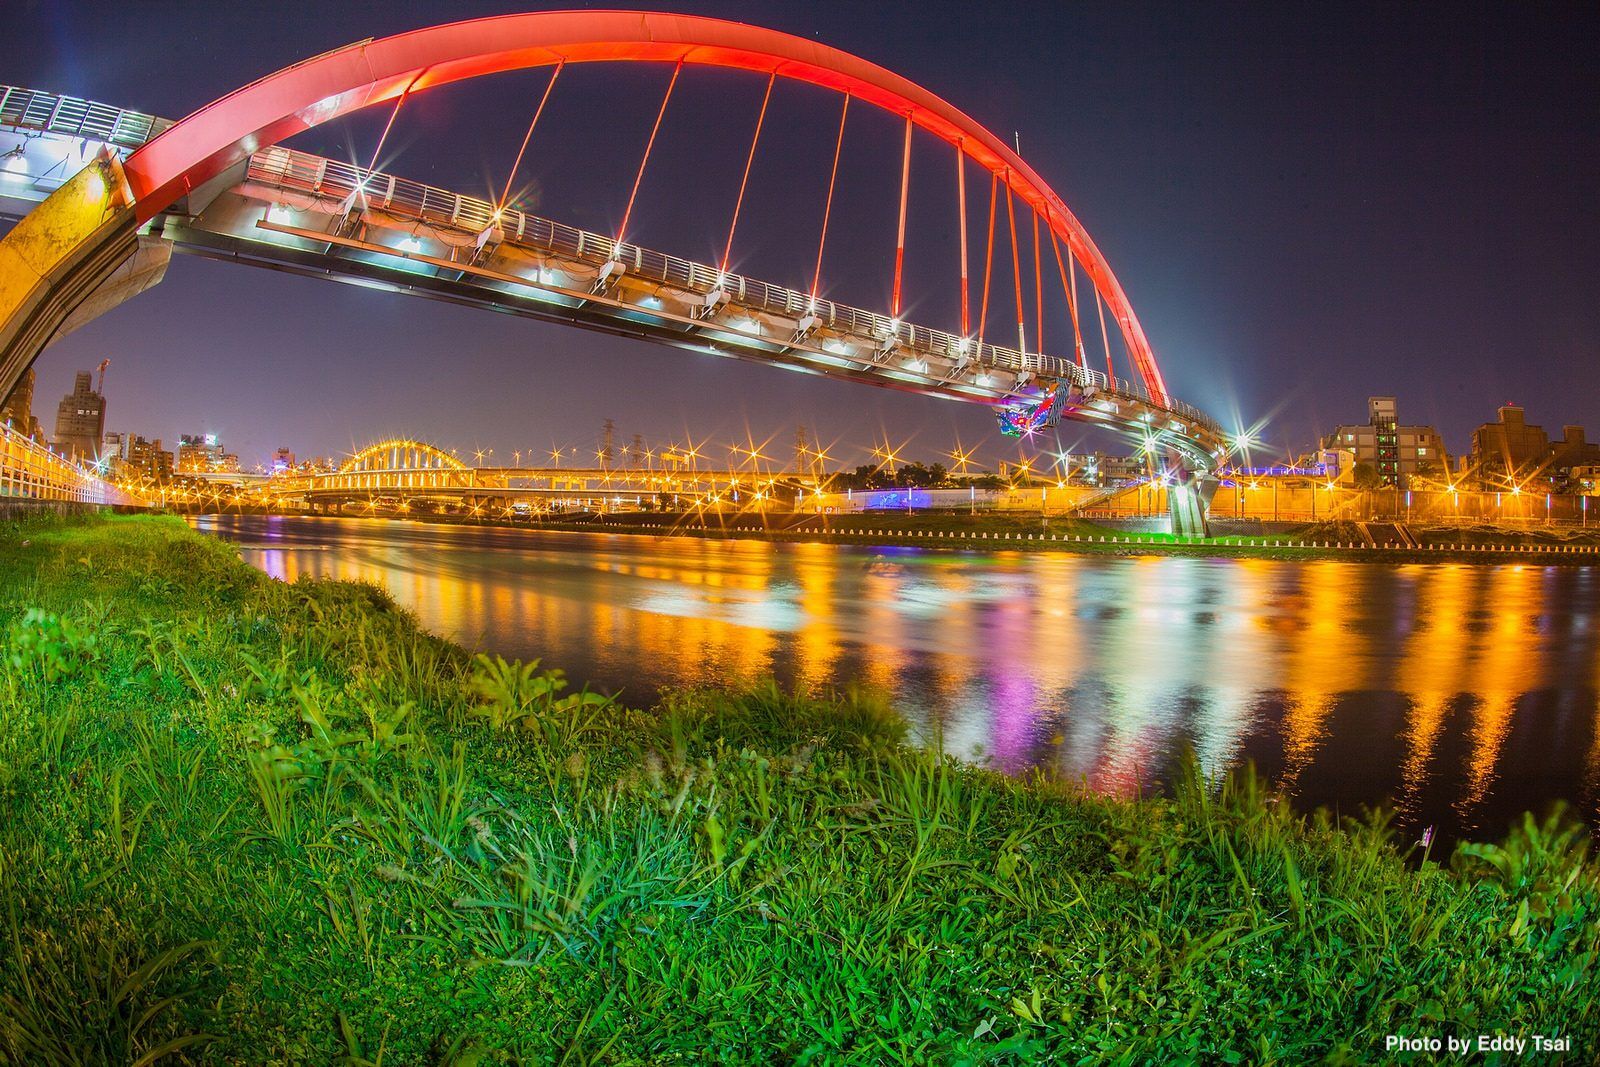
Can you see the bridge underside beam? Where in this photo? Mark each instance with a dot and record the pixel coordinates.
(58, 264)
(266, 226)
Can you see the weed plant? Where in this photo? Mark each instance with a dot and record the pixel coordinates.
(244, 821)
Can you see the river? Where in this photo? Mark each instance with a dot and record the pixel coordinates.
(1458, 694)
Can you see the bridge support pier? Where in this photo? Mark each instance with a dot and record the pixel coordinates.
(71, 258)
(1188, 499)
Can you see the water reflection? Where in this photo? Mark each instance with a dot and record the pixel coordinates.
(1461, 694)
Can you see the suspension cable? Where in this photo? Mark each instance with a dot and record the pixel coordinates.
(1016, 268)
(827, 209)
(900, 241)
(988, 259)
(961, 199)
(505, 194)
(650, 144)
(384, 136)
(750, 159)
(1038, 290)
(1105, 338)
(1072, 273)
(1070, 290)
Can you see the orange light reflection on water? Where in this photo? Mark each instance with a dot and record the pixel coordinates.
(1101, 669)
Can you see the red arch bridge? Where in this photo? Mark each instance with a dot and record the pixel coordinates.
(105, 195)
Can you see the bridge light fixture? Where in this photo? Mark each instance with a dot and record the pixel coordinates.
(15, 161)
(94, 187)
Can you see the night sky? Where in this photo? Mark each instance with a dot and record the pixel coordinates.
(1306, 203)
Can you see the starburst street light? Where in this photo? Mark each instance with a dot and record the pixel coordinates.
(752, 453)
(822, 456)
(961, 458)
(887, 455)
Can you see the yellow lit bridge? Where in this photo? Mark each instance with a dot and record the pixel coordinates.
(402, 472)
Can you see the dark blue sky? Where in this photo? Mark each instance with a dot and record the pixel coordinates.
(1307, 204)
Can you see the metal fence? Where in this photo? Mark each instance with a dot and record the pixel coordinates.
(31, 109)
(303, 172)
(30, 471)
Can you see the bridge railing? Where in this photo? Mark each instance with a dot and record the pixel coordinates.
(30, 471)
(32, 109)
(328, 178)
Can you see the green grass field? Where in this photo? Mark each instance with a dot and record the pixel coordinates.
(242, 821)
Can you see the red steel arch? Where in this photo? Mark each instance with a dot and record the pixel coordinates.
(298, 97)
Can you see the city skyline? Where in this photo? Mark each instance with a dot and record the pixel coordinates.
(773, 446)
(1431, 182)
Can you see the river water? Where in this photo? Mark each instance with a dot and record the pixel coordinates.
(1458, 694)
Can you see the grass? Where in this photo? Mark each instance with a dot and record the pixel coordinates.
(243, 821)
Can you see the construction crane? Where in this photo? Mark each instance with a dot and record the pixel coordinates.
(100, 384)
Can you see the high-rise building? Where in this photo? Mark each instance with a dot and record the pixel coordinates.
(202, 454)
(1394, 452)
(1514, 452)
(282, 461)
(1510, 449)
(1573, 459)
(81, 420)
(114, 450)
(17, 411)
(147, 458)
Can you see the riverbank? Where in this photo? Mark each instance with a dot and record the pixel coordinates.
(1436, 543)
(323, 833)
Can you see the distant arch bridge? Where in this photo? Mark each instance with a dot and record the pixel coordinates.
(405, 471)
